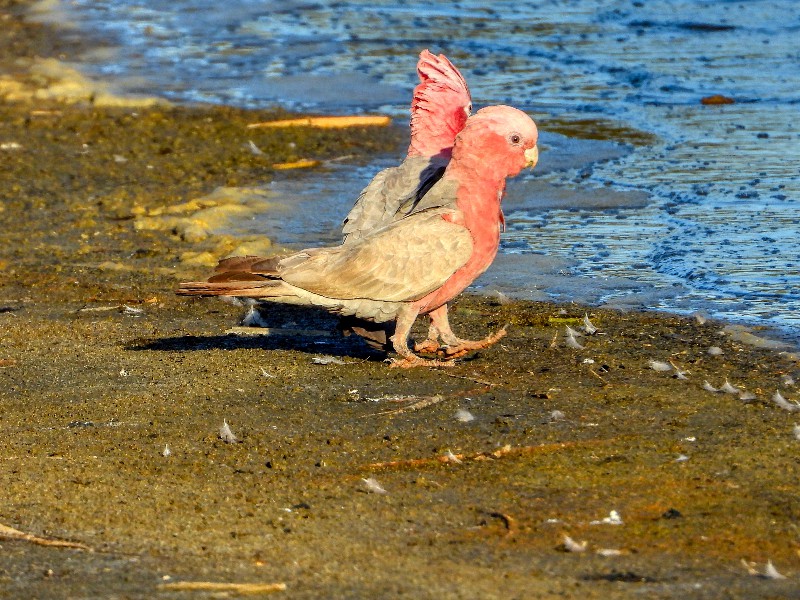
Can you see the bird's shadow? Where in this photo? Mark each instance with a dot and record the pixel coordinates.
(290, 328)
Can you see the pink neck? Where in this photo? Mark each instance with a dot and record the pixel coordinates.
(479, 204)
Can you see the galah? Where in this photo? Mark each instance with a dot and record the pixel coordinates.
(439, 109)
(415, 264)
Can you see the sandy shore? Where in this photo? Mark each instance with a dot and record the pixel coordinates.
(476, 473)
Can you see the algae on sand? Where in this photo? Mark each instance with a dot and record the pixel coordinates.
(90, 399)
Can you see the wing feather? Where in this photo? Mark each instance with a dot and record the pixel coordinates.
(399, 263)
(379, 201)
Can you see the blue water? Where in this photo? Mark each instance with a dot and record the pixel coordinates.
(704, 217)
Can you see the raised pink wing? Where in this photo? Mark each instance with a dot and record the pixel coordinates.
(440, 106)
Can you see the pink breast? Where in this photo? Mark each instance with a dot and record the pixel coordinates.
(485, 244)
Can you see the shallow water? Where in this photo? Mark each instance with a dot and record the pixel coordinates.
(705, 217)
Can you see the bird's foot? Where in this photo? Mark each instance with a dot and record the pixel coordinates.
(462, 347)
(429, 346)
(412, 360)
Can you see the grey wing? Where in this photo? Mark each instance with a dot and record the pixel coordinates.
(442, 194)
(402, 262)
(379, 202)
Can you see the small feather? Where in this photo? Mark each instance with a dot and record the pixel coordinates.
(571, 545)
(770, 572)
(714, 351)
(587, 325)
(501, 297)
(797, 432)
(657, 365)
(464, 415)
(784, 403)
(709, 388)
(253, 318)
(681, 374)
(746, 396)
(750, 567)
(254, 149)
(557, 415)
(167, 451)
(609, 552)
(225, 433)
(327, 360)
(728, 388)
(682, 458)
(573, 343)
(373, 486)
(572, 332)
(613, 518)
(452, 457)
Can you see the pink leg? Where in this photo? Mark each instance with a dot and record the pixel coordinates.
(455, 347)
(405, 319)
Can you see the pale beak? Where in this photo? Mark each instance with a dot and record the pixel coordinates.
(532, 156)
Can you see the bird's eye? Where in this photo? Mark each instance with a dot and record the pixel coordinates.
(515, 138)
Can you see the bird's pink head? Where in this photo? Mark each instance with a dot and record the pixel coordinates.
(497, 142)
(440, 106)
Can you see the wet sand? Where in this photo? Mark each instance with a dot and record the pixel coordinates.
(102, 367)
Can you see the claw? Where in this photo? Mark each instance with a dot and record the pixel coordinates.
(409, 362)
(462, 347)
(429, 346)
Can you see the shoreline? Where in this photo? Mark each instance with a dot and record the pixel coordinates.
(49, 79)
(102, 367)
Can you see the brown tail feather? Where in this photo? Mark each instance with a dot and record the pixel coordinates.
(241, 276)
(249, 264)
(252, 289)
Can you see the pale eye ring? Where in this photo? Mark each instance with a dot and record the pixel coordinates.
(515, 138)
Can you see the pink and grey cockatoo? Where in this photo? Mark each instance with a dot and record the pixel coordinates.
(416, 263)
(440, 107)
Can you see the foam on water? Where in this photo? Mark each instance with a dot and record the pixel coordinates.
(705, 216)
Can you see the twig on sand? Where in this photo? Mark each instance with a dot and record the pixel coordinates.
(482, 456)
(9, 533)
(593, 372)
(420, 403)
(213, 586)
(507, 520)
(553, 341)
(336, 122)
(475, 379)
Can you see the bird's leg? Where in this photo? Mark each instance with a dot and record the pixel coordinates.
(455, 347)
(405, 319)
